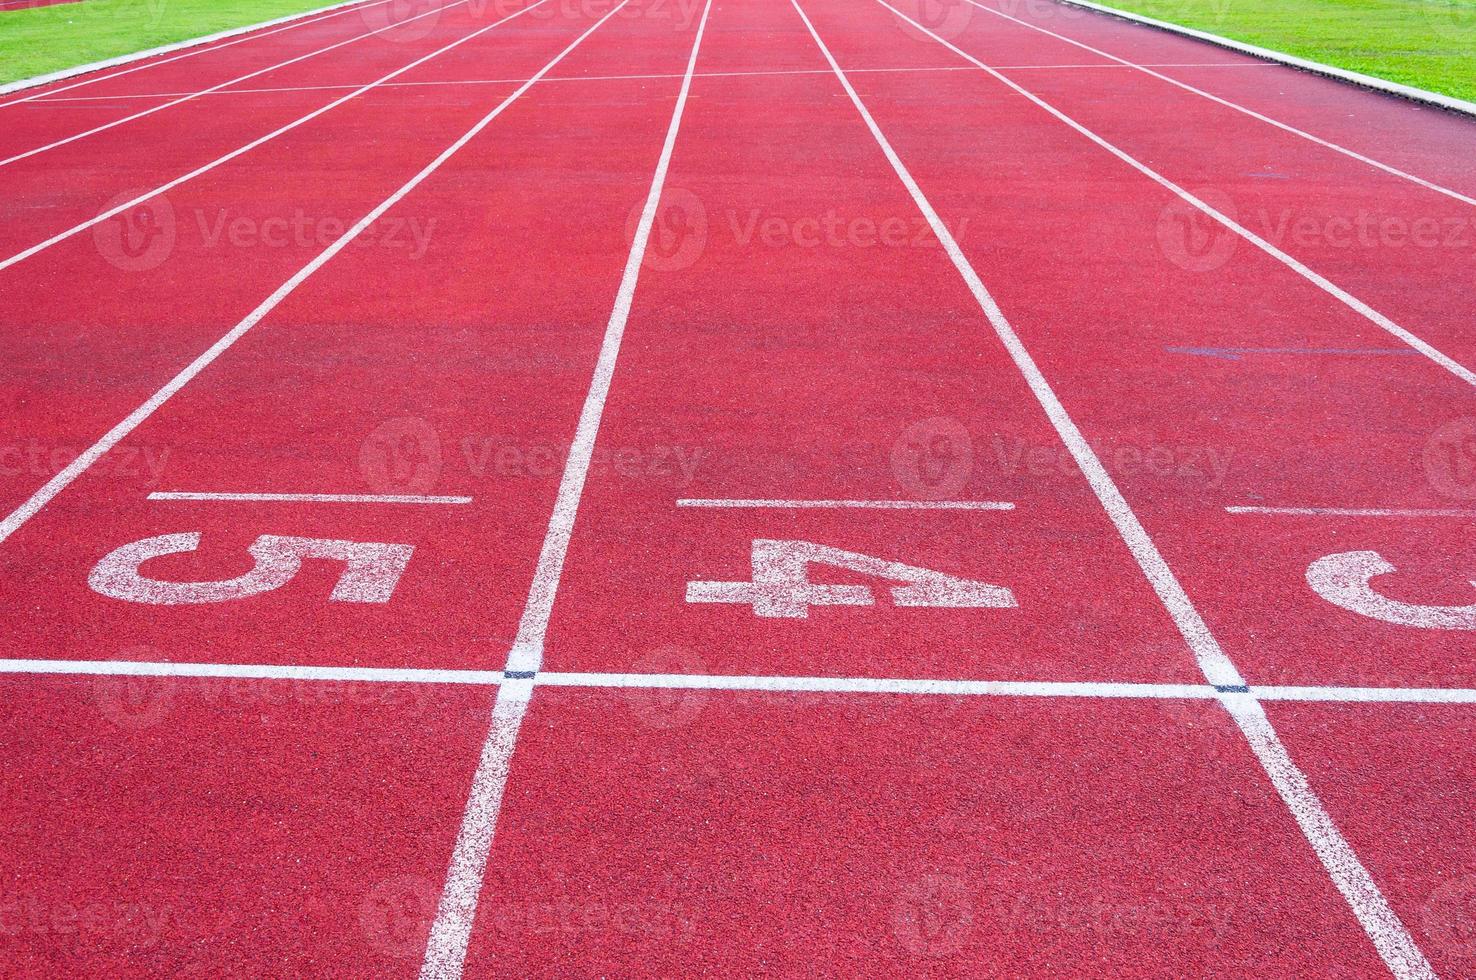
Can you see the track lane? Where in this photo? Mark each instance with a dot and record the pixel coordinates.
(654, 617)
(1400, 247)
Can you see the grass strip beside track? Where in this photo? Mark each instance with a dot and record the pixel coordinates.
(1430, 44)
(40, 40)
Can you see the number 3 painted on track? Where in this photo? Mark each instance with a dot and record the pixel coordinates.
(1345, 580)
(371, 573)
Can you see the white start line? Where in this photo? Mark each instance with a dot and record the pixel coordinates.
(1109, 690)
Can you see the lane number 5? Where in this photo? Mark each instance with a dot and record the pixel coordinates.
(371, 570)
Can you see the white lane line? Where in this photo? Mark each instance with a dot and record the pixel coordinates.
(1148, 70)
(1383, 927)
(191, 46)
(216, 88)
(1337, 292)
(1389, 935)
(1212, 660)
(310, 498)
(527, 649)
(450, 933)
(97, 450)
(46, 97)
(206, 168)
(856, 504)
(1108, 690)
(1355, 511)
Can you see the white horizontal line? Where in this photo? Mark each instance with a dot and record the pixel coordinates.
(726, 682)
(312, 498)
(621, 78)
(1356, 511)
(1384, 695)
(865, 504)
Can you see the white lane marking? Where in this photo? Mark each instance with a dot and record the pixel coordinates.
(1389, 935)
(191, 46)
(1326, 285)
(1354, 511)
(1383, 927)
(736, 682)
(1346, 580)
(1212, 660)
(97, 450)
(840, 504)
(1386, 168)
(445, 952)
(371, 570)
(216, 88)
(781, 586)
(218, 161)
(311, 498)
(527, 649)
(1316, 67)
(46, 96)
(1368, 695)
(450, 933)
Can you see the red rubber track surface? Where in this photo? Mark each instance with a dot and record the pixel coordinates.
(797, 332)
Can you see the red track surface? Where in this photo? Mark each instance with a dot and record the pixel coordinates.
(788, 330)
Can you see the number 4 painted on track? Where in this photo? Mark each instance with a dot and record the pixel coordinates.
(781, 586)
(370, 574)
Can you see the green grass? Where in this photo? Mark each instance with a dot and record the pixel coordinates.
(1430, 44)
(40, 40)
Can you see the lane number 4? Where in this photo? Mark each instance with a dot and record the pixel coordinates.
(781, 587)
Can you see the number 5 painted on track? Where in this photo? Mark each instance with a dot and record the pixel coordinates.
(781, 587)
(1345, 580)
(371, 573)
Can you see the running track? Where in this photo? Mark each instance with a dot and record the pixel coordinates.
(749, 488)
